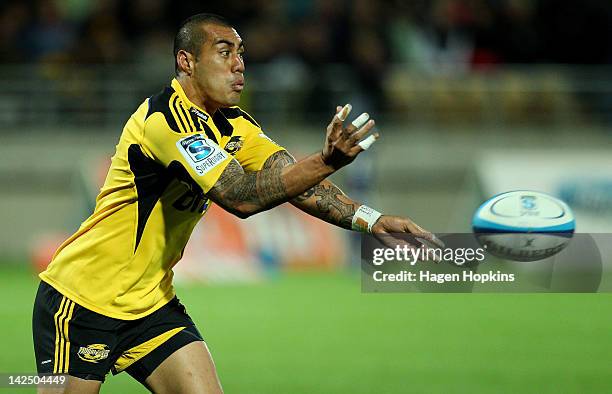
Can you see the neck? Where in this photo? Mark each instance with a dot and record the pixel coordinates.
(195, 95)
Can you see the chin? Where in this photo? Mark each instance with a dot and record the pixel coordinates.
(232, 101)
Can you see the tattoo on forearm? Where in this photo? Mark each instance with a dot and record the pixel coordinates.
(331, 205)
(260, 188)
(324, 200)
(305, 196)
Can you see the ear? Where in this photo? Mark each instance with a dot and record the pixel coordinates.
(185, 62)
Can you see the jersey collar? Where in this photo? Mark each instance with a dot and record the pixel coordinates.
(179, 90)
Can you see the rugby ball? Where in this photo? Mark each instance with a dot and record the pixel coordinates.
(523, 225)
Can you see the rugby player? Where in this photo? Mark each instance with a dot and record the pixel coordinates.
(106, 301)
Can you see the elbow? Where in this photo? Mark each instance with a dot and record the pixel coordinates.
(243, 214)
(245, 211)
(239, 209)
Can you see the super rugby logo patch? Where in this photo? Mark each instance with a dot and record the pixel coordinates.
(94, 352)
(202, 154)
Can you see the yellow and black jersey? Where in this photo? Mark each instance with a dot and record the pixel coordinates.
(171, 152)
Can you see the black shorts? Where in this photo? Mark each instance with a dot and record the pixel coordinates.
(74, 340)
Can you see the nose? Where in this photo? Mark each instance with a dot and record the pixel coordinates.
(238, 64)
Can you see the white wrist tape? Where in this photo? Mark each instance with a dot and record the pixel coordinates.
(364, 218)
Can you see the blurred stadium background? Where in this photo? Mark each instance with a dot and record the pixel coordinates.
(472, 98)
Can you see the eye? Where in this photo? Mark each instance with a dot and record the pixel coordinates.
(225, 53)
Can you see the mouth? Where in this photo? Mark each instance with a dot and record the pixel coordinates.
(238, 85)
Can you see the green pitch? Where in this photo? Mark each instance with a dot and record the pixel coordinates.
(316, 333)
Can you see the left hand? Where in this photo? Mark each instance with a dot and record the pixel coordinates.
(342, 144)
(388, 229)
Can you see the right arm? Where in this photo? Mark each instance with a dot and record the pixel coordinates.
(246, 193)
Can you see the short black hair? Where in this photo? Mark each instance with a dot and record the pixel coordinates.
(191, 36)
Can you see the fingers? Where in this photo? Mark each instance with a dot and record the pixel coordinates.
(422, 253)
(424, 238)
(359, 134)
(340, 115)
(427, 236)
(344, 113)
(335, 128)
(357, 124)
(359, 128)
(349, 139)
(436, 241)
(365, 144)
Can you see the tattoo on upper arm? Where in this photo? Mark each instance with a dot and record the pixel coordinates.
(280, 159)
(232, 172)
(236, 188)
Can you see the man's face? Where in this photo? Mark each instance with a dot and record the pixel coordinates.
(218, 71)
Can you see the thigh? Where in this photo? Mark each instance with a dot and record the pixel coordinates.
(190, 369)
(160, 335)
(74, 386)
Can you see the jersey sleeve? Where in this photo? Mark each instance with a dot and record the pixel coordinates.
(194, 152)
(256, 149)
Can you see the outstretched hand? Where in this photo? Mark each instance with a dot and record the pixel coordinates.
(343, 144)
(395, 230)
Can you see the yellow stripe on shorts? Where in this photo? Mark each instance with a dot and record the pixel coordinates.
(62, 343)
(134, 354)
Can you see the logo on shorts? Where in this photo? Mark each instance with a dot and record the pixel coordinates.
(94, 352)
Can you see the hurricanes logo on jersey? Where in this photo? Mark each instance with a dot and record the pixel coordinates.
(234, 144)
(94, 352)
